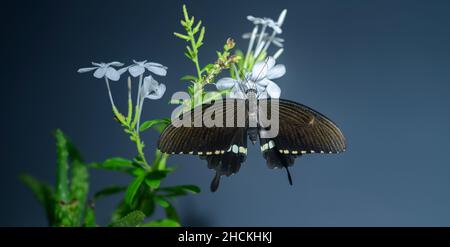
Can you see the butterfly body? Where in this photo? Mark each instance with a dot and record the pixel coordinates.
(302, 130)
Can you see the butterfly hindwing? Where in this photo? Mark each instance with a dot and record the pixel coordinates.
(302, 130)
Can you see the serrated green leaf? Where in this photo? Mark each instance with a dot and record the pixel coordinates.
(134, 218)
(79, 188)
(133, 188)
(63, 213)
(62, 167)
(43, 193)
(162, 223)
(89, 217)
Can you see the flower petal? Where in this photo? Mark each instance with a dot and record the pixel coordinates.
(282, 17)
(260, 69)
(136, 70)
(276, 72)
(84, 70)
(263, 83)
(273, 90)
(156, 69)
(158, 92)
(114, 64)
(112, 74)
(100, 73)
(226, 83)
(99, 64)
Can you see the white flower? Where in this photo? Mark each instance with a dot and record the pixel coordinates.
(139, 68)
(265, 22)
(151, 89)
(104, 70)
(276, 40)
(260, 78)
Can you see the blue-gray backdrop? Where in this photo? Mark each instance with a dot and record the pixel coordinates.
(380, 69)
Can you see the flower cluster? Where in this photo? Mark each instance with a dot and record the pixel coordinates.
(258, 69)
(148, 87)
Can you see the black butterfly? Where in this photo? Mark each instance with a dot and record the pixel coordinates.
(302, 130)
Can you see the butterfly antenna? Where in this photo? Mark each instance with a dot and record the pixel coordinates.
(289, 175)
(215, 183)
(266, 61)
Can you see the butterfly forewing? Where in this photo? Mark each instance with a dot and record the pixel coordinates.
(303, 130)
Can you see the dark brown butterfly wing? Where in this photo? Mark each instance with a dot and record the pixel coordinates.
(224, 148)
(302, 130)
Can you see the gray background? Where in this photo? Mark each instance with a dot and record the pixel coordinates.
(380, 69)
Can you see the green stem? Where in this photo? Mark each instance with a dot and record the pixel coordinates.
(195, 59)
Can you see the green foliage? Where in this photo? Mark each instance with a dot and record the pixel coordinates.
(133, 188)
(89, 218)
(134, 218)
(64, 205)
(194, 35)
(43, 193)
(157, 124)
(162, 223)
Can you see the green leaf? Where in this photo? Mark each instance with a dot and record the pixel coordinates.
(182, 36)
(162, 202)
(120, 211)
(111, 190)
(133, 188)
(197, 27)
(153, 179)
(200, 37)
(114, 164)
(207, 68)
(146, 202)
(62, 169)
(147, 124)
(181, 189)
(132, 219)
(89, 218)
(185, 13)
(162, 223)
(43, 193)
(171, 213)
(79, 188)
(63, 209)
(188, 78)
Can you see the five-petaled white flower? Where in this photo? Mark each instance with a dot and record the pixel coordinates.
(104, 70)
(261, 77)
(139, 68)
(151, 89)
